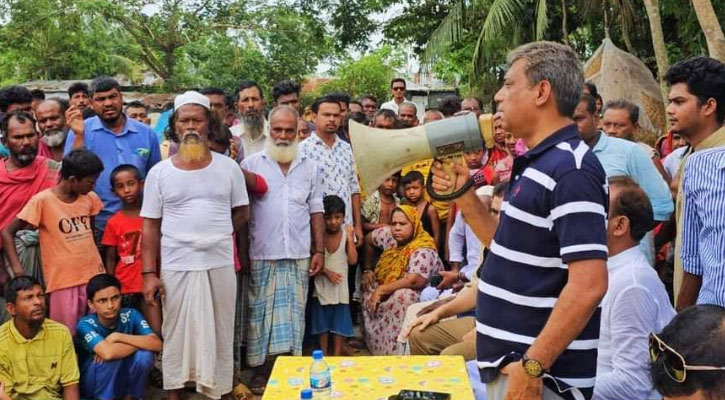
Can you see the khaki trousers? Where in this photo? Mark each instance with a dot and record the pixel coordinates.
(496, 390)
(445, 338)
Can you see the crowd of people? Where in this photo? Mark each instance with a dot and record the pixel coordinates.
(236, 230)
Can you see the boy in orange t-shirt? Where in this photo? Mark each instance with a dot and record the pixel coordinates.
(64, 215)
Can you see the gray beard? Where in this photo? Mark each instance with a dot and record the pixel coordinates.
(253, 125)
(54, 138)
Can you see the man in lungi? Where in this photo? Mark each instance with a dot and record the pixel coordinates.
(286, 231)
(192, 204)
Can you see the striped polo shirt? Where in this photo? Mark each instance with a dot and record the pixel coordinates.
(554, 212)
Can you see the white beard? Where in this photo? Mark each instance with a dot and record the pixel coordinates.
(54, 138)
(283, 154)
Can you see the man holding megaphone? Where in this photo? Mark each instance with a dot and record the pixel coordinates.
(537, 308)
(540, 287)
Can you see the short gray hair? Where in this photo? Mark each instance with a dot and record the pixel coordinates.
(284, 108)
(559, 65)
(408, 104)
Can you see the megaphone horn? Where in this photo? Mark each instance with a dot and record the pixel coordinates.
(380, 153)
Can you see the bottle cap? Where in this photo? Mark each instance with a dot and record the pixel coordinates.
(317, 355)
(306, 394)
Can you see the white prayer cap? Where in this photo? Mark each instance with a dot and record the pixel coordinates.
(191, 97)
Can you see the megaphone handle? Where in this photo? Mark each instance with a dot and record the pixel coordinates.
(449, 196)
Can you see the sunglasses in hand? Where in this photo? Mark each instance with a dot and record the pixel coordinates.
(674, 363)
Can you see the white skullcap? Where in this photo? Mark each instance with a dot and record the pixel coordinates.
(191, 97)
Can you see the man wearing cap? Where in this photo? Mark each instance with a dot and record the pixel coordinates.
(193, 202)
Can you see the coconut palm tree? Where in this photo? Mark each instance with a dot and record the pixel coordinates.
(711, 28)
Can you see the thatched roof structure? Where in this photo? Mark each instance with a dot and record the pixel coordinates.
(620, 75)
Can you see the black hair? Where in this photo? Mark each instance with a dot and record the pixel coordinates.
(89, 112)
(14, 94)
(322, 100)
(592, 89)
(500, 189)
(358, 117)
(285, 88)
(62, 103)
(215, 125)
(76, 88)
(246, 84)
(22, 117)
(103, 84)
(224, 136)
(333, 204)
(698, 334)
(213, 91)
(100, 282)
(412, 176)
(341, 97)
(136, 104)
(19, 283)
(368, 97)
(591, 103)
(125, 168)
(38, 94)
(355, 102)
(449, 105)
(634, 204)
(405, 85)
(80, 163)
(704, 77)
(230, 102)
(632, 109)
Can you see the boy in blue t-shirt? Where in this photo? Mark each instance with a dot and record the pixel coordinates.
(115, 345)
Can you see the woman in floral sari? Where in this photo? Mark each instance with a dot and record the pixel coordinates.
(404, 269)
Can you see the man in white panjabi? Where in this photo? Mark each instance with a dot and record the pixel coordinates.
(192, 204)
(286, 245)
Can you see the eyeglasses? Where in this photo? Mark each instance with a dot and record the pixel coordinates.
(674, 363)
(398, 88)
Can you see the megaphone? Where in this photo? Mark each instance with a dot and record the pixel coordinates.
(380, 153)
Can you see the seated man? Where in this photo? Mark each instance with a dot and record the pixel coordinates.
(115, 345)
(37, 360)
(687, 359)
(636, 302)
(427, 336)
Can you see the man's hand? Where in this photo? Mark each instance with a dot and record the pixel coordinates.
(151, 284)
(317, 263)
(367, 279)
(74, 119)
(245, 265)
(422, 322)
(434, 305)
(449, 278)
(3, 395)
(444, 183)
(233, 151)
(520, 385)
(113, 337)
(359, 235)
(332, 276)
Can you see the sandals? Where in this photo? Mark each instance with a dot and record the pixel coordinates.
(258, 384)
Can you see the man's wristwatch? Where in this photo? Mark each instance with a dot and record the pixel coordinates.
(533, 368)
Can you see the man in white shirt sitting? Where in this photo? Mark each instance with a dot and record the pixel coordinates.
(636, 302)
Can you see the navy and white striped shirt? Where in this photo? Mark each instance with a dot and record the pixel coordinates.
(703, 232)
(554, 212)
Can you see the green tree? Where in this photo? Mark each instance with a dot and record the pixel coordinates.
(370, 74)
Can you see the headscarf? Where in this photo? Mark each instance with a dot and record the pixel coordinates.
(394, 261)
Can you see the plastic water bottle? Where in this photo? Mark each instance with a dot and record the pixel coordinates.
(320, 380)
(306, 394)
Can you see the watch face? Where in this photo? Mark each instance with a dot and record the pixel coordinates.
(533, 368)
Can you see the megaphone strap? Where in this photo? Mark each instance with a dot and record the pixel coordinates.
(446, 197)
